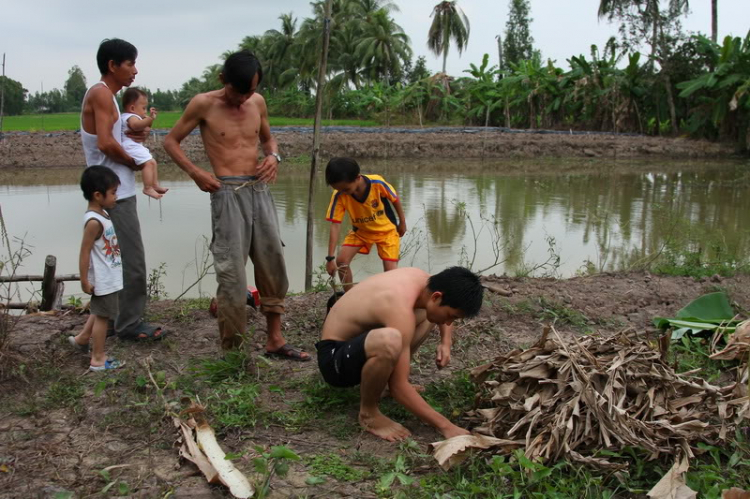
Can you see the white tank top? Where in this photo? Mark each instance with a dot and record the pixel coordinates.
(95, 157)
(105, 265)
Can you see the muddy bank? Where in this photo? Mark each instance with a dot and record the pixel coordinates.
(64, 148)
(59, 427)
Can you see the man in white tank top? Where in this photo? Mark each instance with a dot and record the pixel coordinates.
(100, 134)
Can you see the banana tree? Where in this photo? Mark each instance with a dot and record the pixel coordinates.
(722, 96)
(484, 89)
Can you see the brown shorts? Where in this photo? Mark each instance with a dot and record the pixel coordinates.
(105, 305)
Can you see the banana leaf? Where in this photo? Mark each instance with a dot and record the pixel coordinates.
(709, 312)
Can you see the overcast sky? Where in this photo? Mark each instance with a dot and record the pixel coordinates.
(177, 39)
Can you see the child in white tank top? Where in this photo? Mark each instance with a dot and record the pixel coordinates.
(135, 118)
(100, 264)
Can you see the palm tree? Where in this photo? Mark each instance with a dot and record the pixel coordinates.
(449, 21)
(280, 45)
(383, 47)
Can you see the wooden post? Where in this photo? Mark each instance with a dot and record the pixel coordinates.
(319, 90)
(49, 284)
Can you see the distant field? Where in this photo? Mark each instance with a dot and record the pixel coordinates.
(71, 121)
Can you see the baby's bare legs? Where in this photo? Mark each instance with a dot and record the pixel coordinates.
(151, 185)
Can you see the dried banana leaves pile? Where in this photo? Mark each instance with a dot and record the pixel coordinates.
(571, 400)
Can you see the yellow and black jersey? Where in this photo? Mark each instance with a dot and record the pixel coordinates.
(374, 214)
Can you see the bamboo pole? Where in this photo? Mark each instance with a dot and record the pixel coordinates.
(316, 142)
(33, 278)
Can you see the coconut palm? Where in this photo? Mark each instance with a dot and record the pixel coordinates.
(384, 47)
(449, 22)
(280, 44)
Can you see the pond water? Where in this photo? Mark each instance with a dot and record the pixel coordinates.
(568, 214)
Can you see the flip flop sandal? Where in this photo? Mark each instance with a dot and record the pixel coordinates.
(289, 352)
(109, 365)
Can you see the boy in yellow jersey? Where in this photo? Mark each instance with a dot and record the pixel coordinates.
(366, 199)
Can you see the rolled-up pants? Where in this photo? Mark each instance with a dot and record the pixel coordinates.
(244, 223)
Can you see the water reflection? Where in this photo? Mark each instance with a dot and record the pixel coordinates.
(610, 215)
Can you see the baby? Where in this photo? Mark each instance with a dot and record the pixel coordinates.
(135, 118)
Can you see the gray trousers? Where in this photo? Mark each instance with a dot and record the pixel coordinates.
(132, 300)
(244, 223)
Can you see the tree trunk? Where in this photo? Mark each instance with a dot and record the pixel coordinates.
(714, 20)
(670, 101)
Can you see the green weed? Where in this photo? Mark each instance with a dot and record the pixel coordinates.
(557, 313)
(452, 396)
(234, 405)
(65, 392)
(332, 465)
(232, 367)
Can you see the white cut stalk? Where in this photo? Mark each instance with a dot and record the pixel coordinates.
(228, 474)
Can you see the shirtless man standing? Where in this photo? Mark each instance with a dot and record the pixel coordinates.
(372, 332)
(243, 216)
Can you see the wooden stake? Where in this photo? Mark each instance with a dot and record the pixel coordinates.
(320, 89)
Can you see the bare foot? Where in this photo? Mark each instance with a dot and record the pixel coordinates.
(383, 427)
(152, 193)
(161, 190)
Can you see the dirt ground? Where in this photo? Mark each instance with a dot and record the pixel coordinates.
(54, 443)
(33, 150)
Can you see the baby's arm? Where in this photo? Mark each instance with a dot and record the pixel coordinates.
(136, 124)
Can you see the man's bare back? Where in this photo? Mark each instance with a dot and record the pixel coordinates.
(381, 300)
(372, 331)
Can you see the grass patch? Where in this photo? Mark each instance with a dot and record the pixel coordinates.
(234, 405)
(166, 120)
(332, 465)
(557, 313)
(452, 396)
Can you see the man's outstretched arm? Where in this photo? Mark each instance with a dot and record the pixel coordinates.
(190, 119)
(404, 392)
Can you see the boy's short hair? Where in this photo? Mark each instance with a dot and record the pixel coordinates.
(132, 95)
(115, 50)
(239, 70)
(341, 170)
(461, 289)
(97, 178)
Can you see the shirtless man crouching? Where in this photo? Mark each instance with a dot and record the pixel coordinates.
(232, 121)
(372, 332)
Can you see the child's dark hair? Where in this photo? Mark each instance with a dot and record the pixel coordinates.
(239, 70)
(341, 170)
(97, 178)
(115, 50)
(132, 95)
(461, 289)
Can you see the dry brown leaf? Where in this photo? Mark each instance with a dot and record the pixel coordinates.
(672, 484)
(453, 451)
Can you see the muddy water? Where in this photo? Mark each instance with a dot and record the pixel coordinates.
(522, 214)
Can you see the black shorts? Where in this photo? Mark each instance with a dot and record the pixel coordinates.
(341, 362)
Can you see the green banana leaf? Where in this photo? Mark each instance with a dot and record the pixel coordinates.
(706, 313)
